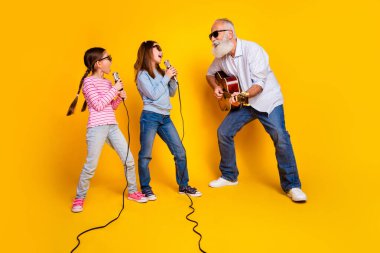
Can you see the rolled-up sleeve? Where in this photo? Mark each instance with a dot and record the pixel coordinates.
(259, 67)
(172, 87)
(214, 67)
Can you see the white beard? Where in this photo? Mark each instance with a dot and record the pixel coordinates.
(221, 48)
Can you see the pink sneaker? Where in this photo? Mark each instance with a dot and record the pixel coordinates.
(77, 205)
(138, 197)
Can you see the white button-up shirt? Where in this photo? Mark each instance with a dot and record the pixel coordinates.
(251, 66)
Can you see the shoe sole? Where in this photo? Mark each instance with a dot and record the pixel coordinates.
(139, 201)
(297, 201)
(76, 211)
(227, 184)
(151, 198)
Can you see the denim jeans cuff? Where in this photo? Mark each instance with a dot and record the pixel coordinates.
(228, 179)
(291, 187)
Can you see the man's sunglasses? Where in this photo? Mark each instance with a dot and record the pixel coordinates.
(158, 47)
(215, 34)
(108, 57)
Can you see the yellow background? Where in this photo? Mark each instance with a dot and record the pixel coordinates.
(325, 55)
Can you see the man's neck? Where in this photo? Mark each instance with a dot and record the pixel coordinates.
(233, 51)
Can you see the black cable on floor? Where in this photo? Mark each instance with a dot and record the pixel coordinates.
(122, 208)
(191, 201)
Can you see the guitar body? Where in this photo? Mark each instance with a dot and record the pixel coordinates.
(229, 85)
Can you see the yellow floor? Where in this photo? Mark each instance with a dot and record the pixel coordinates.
(254, 216)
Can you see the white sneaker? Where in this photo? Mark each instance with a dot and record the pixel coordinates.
(220, 182)
(297, 195)
(151, 197)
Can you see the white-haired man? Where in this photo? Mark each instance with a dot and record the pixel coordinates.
(249, 63)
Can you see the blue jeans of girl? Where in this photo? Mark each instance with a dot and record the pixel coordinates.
(152, 123)
(96, 137)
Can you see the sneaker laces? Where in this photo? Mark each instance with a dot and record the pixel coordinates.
(139, 194)
(148, 192)
(189, 189)
(78, 202)
(297, 191)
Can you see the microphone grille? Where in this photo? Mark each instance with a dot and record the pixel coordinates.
(116, 76)
(167, 64)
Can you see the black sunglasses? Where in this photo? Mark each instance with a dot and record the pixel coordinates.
(108, 57)
(215, 34)
(158, 47)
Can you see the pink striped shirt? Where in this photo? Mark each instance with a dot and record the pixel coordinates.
(100, 96)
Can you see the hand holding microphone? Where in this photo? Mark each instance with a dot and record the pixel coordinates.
(123, 94)
(171, 72)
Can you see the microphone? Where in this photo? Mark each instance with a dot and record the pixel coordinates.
(167, 64)
(117, 78)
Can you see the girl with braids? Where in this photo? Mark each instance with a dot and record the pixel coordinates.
(156, 87)
(102, 99)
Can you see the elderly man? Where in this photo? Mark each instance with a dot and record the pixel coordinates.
(249, 63)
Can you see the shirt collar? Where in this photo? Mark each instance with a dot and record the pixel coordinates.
(239, 49)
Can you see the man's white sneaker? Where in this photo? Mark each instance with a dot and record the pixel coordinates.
(220, 182)
(297, 195)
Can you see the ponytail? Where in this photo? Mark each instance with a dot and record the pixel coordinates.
(74, 103)
(91, 56)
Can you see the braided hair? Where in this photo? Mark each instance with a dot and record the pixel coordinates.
(91, 56)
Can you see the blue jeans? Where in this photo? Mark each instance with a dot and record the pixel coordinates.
(96, 137)
(150, 124)
(274, 125)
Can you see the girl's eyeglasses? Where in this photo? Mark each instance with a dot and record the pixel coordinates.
(108, 57)
(215, 34)
(158, 47)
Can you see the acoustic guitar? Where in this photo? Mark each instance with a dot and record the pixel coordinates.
(229, 85)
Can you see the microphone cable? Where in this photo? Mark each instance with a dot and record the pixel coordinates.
(191, 201)
(122, 208)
